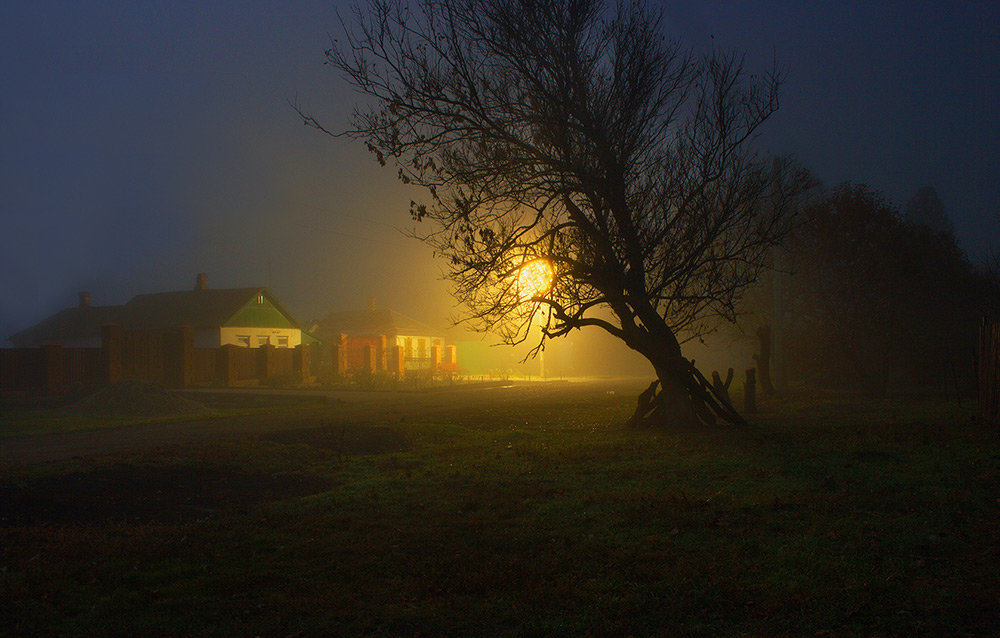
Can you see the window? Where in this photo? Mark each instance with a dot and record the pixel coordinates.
(282, 342)
(408, 348)
(243, 340)
(263, 340)
(260, 300)
(422, 348)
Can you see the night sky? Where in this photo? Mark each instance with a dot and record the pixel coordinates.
(142, 143)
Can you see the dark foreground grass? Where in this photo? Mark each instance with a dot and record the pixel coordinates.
(824, 517)
(129, 403)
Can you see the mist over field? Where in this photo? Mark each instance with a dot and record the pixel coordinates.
(482, 317)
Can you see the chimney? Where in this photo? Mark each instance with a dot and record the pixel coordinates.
(201, 283)
(85, 299)
(371, 304)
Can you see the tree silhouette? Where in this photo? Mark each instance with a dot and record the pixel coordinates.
(925, 209)
(876, 302)
(574, 135)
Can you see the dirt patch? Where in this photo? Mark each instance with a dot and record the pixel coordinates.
(145, 494)
(138, 399)
(346, 438)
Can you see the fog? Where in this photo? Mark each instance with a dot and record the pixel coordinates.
(141, 145)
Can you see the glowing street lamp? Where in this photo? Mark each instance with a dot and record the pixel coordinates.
(534, 279)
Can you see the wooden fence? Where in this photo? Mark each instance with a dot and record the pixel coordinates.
(167, 357)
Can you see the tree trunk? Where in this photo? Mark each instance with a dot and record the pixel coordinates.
(685, 399)
(763, 359)
(676, 404)
(666, 402)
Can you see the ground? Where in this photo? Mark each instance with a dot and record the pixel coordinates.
(524, 510)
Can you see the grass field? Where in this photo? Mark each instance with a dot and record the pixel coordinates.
(828, 515)
(129, 403)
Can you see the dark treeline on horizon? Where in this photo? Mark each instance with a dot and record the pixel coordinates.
(862, 295)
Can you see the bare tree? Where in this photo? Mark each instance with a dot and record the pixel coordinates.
(582, 169)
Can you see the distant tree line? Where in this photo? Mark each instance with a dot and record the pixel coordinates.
(860, 295)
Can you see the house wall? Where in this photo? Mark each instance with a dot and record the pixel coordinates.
(231, 335)
(414, 356)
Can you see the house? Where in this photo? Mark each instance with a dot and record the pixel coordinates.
(78, 327)
(382, 329)
(248, 317)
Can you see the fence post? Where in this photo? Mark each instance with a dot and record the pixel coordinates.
(111, 353)
(369, 359)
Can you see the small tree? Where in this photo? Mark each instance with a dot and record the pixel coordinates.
(582, 170)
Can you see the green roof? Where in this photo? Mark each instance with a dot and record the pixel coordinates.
(207, 309)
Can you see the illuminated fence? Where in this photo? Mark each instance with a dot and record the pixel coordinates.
(989, 371)
(350, 356)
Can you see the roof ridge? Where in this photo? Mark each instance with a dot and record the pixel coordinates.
(203, 291)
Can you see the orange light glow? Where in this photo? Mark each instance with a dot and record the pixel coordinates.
(534, 279)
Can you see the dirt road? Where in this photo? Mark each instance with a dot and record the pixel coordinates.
(353, 407)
